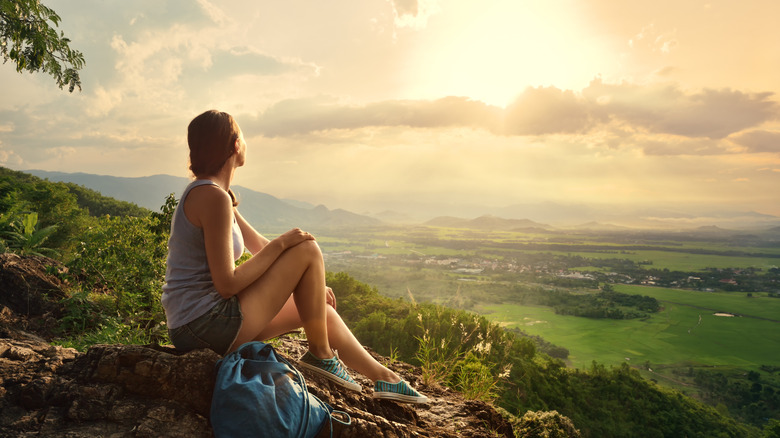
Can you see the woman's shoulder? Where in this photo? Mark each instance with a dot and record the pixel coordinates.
(207, 201)
(209, 193)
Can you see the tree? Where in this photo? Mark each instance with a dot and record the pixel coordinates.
(27, 39)
(772, 429)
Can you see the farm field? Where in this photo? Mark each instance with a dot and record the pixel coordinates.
(686, 331)
(662, 251)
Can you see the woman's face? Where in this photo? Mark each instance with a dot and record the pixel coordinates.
(241, 149)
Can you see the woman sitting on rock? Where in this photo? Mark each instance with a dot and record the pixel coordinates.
(211, 303)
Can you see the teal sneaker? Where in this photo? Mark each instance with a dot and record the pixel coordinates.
(400, 392)
(332, 369)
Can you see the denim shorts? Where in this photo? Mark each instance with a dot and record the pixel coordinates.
(216, 329)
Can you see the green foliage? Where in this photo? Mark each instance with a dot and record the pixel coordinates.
(110, 330)
(628, 405)
(99, 205)
(81, 313)
(476, 379)
(164, 217)
(121, 260)
(126, 259)
(549, 424)
(116, 263)
(22, 194)
(772, 429)
(752, 398)
(437, 359)
(29, 239)
(28, 39)
(606, 303)
(452, 347)
(65, 206)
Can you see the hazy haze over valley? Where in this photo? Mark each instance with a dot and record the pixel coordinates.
(150, 192)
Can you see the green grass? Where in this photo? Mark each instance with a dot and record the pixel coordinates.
(672, 336)
(759, 305)
(403, 241)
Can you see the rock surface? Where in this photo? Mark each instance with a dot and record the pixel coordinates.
(155, 391)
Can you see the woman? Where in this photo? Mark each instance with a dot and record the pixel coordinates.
(211, 303)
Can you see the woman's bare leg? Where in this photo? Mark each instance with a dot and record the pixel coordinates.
(340, 337)
(298, 271)
(352, 352)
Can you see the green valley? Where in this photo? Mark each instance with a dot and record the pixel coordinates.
(717, 295)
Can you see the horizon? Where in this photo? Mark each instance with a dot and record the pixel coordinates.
(439, 105)
(546, 214)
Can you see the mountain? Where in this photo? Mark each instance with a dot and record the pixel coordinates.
(598, 226)
(680, 218)
(262, 210)
(148, 192)
(487, 223)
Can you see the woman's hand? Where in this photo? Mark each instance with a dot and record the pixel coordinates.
(330, 297)
(293, 237)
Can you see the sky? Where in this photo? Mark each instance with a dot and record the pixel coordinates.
(435, 106)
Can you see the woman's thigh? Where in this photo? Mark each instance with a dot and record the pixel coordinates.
(285, 321)
(269, 297)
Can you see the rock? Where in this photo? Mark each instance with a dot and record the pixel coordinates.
(28, 287)
(130, 390)
(30, 291)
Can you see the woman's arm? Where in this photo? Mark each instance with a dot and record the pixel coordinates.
(211, 209)
(253, 241)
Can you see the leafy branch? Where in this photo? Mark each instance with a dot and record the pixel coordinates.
(27, 38)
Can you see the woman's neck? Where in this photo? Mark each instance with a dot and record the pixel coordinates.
(223, 178)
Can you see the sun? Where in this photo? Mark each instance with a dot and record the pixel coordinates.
(492, 51)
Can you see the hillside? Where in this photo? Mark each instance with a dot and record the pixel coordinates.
(154, 391)
(262, 210)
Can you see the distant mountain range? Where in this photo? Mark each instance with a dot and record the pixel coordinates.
(266, 211)
(488, 223)
(262, 210)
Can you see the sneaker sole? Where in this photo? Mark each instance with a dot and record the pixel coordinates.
(399, 397)
(332, 377)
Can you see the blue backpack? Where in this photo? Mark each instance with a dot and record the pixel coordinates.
(259, 393)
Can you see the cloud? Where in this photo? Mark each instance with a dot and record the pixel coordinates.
(627, 109)
(9, 157)
(671, 145)
(301, 116)
(539, 111)
(759, 141)
(413, 13)
(667, 109)
(655, 40)
(245, 60)
(103, 101)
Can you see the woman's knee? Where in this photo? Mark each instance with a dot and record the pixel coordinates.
(308, 249)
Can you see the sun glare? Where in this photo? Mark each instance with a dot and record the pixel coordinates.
(495, 52)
